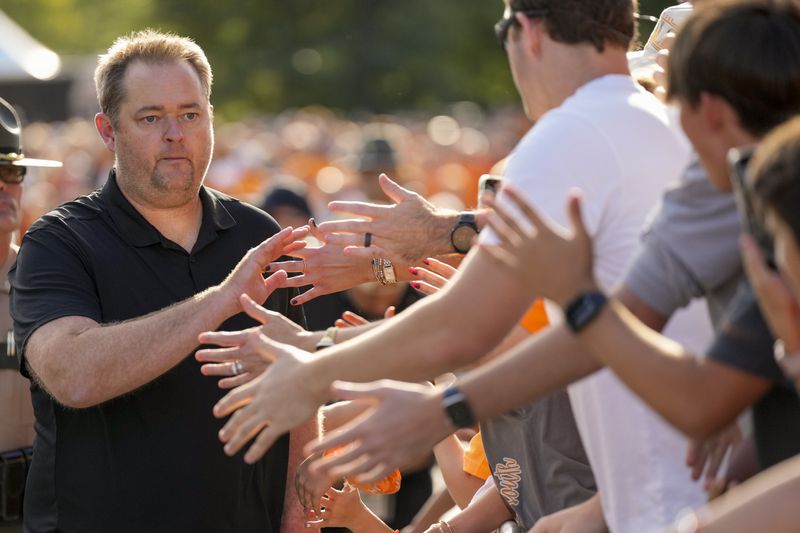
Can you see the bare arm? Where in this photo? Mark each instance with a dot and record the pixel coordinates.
(461, 485)
(83, 363)
(485, 513)
(294, 519)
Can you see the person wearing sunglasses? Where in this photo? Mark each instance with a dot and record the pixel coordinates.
(16, 409)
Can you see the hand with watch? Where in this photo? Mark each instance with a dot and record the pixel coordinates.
(407, 230)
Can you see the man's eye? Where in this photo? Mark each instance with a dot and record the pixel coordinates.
(191, 116)
(150, 119)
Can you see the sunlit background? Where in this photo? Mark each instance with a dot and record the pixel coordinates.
(299, 88)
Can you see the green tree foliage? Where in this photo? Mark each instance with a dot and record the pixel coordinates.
(377, 55)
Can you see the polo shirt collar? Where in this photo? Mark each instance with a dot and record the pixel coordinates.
(137, 231)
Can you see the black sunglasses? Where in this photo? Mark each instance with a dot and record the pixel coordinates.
(504, 25)
(12, 174)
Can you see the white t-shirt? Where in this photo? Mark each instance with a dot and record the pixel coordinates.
(615, 142)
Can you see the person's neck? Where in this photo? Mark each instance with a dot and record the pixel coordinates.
(6, 240)
(572, 67)
(180, 224)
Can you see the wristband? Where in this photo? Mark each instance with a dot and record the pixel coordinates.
(583, 309)
(456, 407)
(328, 339)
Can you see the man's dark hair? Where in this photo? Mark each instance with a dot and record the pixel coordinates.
(744, 51)
(598, 22)
(775, 174)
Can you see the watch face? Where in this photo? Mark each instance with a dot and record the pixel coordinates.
(462, 238)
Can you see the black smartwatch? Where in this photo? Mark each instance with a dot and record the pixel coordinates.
(458, 410)
(583, 309)
(463, 232)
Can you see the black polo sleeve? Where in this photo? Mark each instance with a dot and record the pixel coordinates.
(51, 279)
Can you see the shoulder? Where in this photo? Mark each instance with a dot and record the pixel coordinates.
(83, 209)
(246, 215)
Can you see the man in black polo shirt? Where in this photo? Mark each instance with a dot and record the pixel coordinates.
(110, 292)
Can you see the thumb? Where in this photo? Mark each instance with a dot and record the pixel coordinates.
(393, 190)
(254, 310)
(274, 282)
(576, 215)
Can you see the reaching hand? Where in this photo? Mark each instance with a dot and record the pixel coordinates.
(310, 488)
(242, 358)
(538, 255)
(660, 74)
(408, 230)
(708, 454)
(387, 435)
(350, 319)
(342, 508)
(273, 403)
(247, 278)
(326, 268)
(433, 278)
(776, 299)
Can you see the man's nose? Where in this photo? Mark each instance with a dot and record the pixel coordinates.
(173, 132)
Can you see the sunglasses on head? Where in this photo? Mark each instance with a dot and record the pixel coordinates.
(504, 24)
(12, 174)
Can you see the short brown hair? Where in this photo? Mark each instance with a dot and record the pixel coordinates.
(598, 22)
(150, 46)
(744, 51)
(775, 171)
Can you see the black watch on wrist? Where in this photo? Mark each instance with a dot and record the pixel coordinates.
(458, 410)
(583, 309)
(463, 232)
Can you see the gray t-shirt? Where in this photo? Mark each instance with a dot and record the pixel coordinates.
(690, 248)
(537, 459)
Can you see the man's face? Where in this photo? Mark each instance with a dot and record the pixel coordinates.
(787, 253)
(709, 146)
(163, 138)
(10, 194)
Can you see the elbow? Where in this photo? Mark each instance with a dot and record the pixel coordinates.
(75, 395)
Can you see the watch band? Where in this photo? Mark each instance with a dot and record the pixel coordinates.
(328, 339)
(384, 271)
(457, 408)
(583, 309)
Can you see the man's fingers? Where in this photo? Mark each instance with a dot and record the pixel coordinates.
(350, 225)
(574, 208)
(223, 338)
(513, 194)
(253, 310)
(218, 355)
(507, 236)
(238, 397)
(391, 189)
(288, 266)
(373, 252)
(379, 471)
(235, 381)
(361, 209)
(263, 442)
(345, 239)
(275, 281)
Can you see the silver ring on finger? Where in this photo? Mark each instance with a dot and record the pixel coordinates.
(367, 240)
(237, 367)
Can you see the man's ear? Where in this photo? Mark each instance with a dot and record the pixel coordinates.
(717, 113)
(530, 31)
(106, 130)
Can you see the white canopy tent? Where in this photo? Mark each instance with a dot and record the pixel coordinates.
(22, 57)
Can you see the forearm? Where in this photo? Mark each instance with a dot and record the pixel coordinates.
(368, 522)
(294, 519)
(765, 504)
(438, 504)
(96, 363)
(486, 513)
(445, 331)
(450, 458)
(654, 367)
(542, 364)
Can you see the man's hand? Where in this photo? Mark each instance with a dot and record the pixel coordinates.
(247, 275)
(536, 254)
(310, 489)
(708, 454)
(776, 300)
(586, 517)
(387, 435)
(406, 231)
(243, 359)
(273, 403)
(326, 268)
